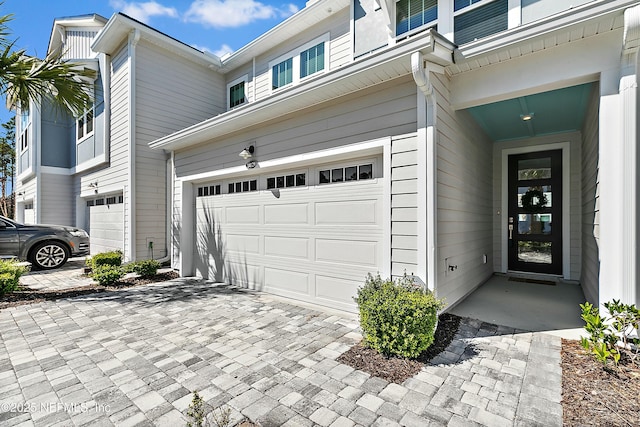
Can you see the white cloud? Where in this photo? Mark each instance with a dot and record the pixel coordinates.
(225, 49)
(234, 13)
(143, 11)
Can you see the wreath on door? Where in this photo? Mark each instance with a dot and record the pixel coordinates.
(534, 200)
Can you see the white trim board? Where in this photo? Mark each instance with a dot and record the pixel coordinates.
(566, 201)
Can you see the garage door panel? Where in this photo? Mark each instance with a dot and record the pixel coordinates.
(357, 212)
(243, 215)
(332, 289)
(363, 253)
(106, 227)
(243, 274)
(287, 281)
(290, 213)
(243, 243)
(288, 247)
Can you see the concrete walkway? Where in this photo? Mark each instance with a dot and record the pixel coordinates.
(134, 357)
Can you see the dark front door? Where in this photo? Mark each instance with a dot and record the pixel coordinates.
(535, 212)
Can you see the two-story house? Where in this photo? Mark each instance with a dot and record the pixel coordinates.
(97, 171)
(448, 139)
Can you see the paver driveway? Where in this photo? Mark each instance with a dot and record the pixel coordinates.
(133, 358)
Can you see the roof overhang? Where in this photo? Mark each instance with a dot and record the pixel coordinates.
(575, 23)
(384, 65)
(296, 24)
(60, 24)
(119, 26)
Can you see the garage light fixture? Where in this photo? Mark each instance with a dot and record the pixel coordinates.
(247, 153)
(527, 117)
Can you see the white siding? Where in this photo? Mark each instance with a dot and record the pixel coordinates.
(464, 201)
(339, 49)
(28, 188)
(115, 175)
(78, 43)
(171, 94)
(404, 205)
(56, 193)
(590, 201)
(384, 110)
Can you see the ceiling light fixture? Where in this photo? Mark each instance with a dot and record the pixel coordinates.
(527, 117)
(247, 153)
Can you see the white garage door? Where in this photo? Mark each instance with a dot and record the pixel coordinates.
(314, 243)
(105, 224)
(29, 214)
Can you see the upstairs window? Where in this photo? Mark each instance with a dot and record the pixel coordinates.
(84, 124)
(303, 62)
(237, 94)
(282, 74)
(471, 21)
(412, 14)
(312, 60)
(25, 121)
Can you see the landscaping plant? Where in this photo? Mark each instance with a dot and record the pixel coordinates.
(107, 274)
(145, 268)
(10, 272)
(397, 317)
(610, 336)
(113, 258)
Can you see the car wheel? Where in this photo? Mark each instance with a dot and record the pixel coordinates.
(48, 255)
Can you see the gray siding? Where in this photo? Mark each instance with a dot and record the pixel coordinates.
(172, 94)
(387, 109)
(464, 201)
(57, 198)
(590, 201)
(404, 205)
(56, 148)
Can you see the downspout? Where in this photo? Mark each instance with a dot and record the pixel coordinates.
(134, 38)
(427, 232)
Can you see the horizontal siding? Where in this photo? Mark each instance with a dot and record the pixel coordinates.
(171, 94)
(339, 49)
(387, 109)
(57, 201)
(464, 211)
(404, 206)
(590, 202)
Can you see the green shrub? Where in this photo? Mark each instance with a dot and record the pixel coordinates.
(608, 337)
(113, 258)
(107, 274)
(145, 268)
(10, 273)
(397, 317)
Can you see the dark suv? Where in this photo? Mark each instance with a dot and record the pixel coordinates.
(45, 246)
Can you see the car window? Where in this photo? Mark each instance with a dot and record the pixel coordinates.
(5, 224)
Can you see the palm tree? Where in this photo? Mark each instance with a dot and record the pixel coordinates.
(24, 78)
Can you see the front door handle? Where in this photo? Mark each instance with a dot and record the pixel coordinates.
(510, 228)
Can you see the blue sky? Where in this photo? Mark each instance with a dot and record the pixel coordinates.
(218, 26)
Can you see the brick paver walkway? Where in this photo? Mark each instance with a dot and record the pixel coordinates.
(134, 357)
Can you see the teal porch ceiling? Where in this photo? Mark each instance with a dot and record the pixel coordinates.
(556, 111)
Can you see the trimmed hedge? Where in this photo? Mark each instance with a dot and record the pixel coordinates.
(107, 274)
(10, 273)
(113, 258)
(397, 317)
(145, 268)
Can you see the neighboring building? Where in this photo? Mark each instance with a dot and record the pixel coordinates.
(97, 171)
(445, 139)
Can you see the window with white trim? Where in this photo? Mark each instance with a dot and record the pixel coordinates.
(242, 186)
(209, 190)
(475, 19)
(414, 14)
(84, 124)
(304, 62)
(237, 92)
(25, 122)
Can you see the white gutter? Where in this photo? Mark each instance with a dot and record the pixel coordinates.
(134, 38)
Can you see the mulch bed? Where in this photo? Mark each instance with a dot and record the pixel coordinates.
(595, 396)
(397, 369)
(27, 295)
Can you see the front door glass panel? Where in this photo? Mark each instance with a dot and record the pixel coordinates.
(535, 201)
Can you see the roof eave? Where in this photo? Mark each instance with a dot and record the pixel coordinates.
(341, 81)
